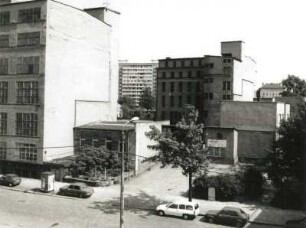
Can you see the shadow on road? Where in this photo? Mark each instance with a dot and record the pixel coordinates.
(132, 203)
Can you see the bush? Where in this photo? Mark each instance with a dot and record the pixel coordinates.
(252, 182)
(227, 187)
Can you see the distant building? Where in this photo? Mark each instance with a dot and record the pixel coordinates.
(205, 81)
(135, 77)
(57, 62)
(270, 91)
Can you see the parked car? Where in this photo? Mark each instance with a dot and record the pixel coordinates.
(186, 210)
(76, 189)
(10, 180)
(300, 223)
(229, 216)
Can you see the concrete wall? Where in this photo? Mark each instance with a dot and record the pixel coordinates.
(254, 145)
(257, 116)
(77, 68)
(142, 141)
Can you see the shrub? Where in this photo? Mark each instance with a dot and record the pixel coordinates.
(226, 186)
(252, 182)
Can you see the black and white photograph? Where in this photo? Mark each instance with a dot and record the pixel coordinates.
(152, 113)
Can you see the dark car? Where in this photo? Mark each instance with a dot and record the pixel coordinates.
(76, 189)
(10, 180)
(300, 223)
(229, 216)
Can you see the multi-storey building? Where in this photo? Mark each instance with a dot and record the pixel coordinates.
(57, 70)
(270, 90)
(203, 82)
(135, 77)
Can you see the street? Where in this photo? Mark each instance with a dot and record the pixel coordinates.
(142, 194)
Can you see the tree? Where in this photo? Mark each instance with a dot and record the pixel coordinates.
(127, 105)
(92, 160)
(146, 100)
(294, 86)
(182, 146)
(286, 160)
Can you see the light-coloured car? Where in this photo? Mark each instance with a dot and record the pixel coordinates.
(186, 210)
(10, 180)
(76, 189)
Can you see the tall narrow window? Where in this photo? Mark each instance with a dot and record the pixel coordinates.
(163, 101)
(180, 86)
(171, 101)
(2, 150)
(180, 101)
(189, 86)
(4, 18)
(172, 87)
(26, 124)
(163, 86)
(3, 123)
(3, 66)
(189, 101)
(27, 92)
(3, 92)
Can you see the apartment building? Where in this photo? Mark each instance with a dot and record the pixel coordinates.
(135, 77)
(57, 62)
(269, 91)
(205, 81)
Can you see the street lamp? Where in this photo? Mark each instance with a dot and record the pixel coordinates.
(122, 171)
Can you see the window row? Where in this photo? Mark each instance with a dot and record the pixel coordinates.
(26, 124)
(27, 152)
(179, 101)
(179, 86)
(24, 65)
(24, 15)
(187, 63)
(23, 39)
(27, 92)
(181, 74)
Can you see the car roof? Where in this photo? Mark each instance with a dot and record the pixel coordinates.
(11, 175)
(231, 208)
(79, 184)
(184, 202)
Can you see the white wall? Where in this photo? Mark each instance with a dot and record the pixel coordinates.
(77, 68)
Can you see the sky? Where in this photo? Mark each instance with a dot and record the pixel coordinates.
(274, 31)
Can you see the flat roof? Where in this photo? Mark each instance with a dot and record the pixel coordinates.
(109, 125)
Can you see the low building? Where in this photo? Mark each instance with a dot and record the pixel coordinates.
(269, 91)
(110, 136)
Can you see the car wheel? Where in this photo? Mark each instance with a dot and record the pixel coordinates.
(10, 184)
(239, 224)
(185, 217)
(210, 219)
(161, 213)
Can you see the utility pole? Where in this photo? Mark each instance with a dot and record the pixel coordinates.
(122, 172)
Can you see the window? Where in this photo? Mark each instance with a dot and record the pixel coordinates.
(189, 85)
(189, 74)
(3, 66)
(26, 124)
(211, 65)
(191, 63)
(180, 86)
(228, 85)
(180, 101)
(198, 86)
(171, 101)
(4, 41)
(210, 96)
(3, 123)
(4, 18)
(215, 152)
(163, 101)
(172, 87)
(189, 99)
(182, 206)
(180, 74)
(29, 15)
(28, 65)
(163, 86)
(210, 80)
(189, 207)
(173, 206)
(2, 150)
(182, 63)
(205, 113)
(28, 39)
(27, 92)
(163, 115)
(3, 92)
(227, 70)
(164, 74)
(198, 74)
(27, 151)
(174, 63)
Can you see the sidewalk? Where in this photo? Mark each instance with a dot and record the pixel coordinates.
(164, 185)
